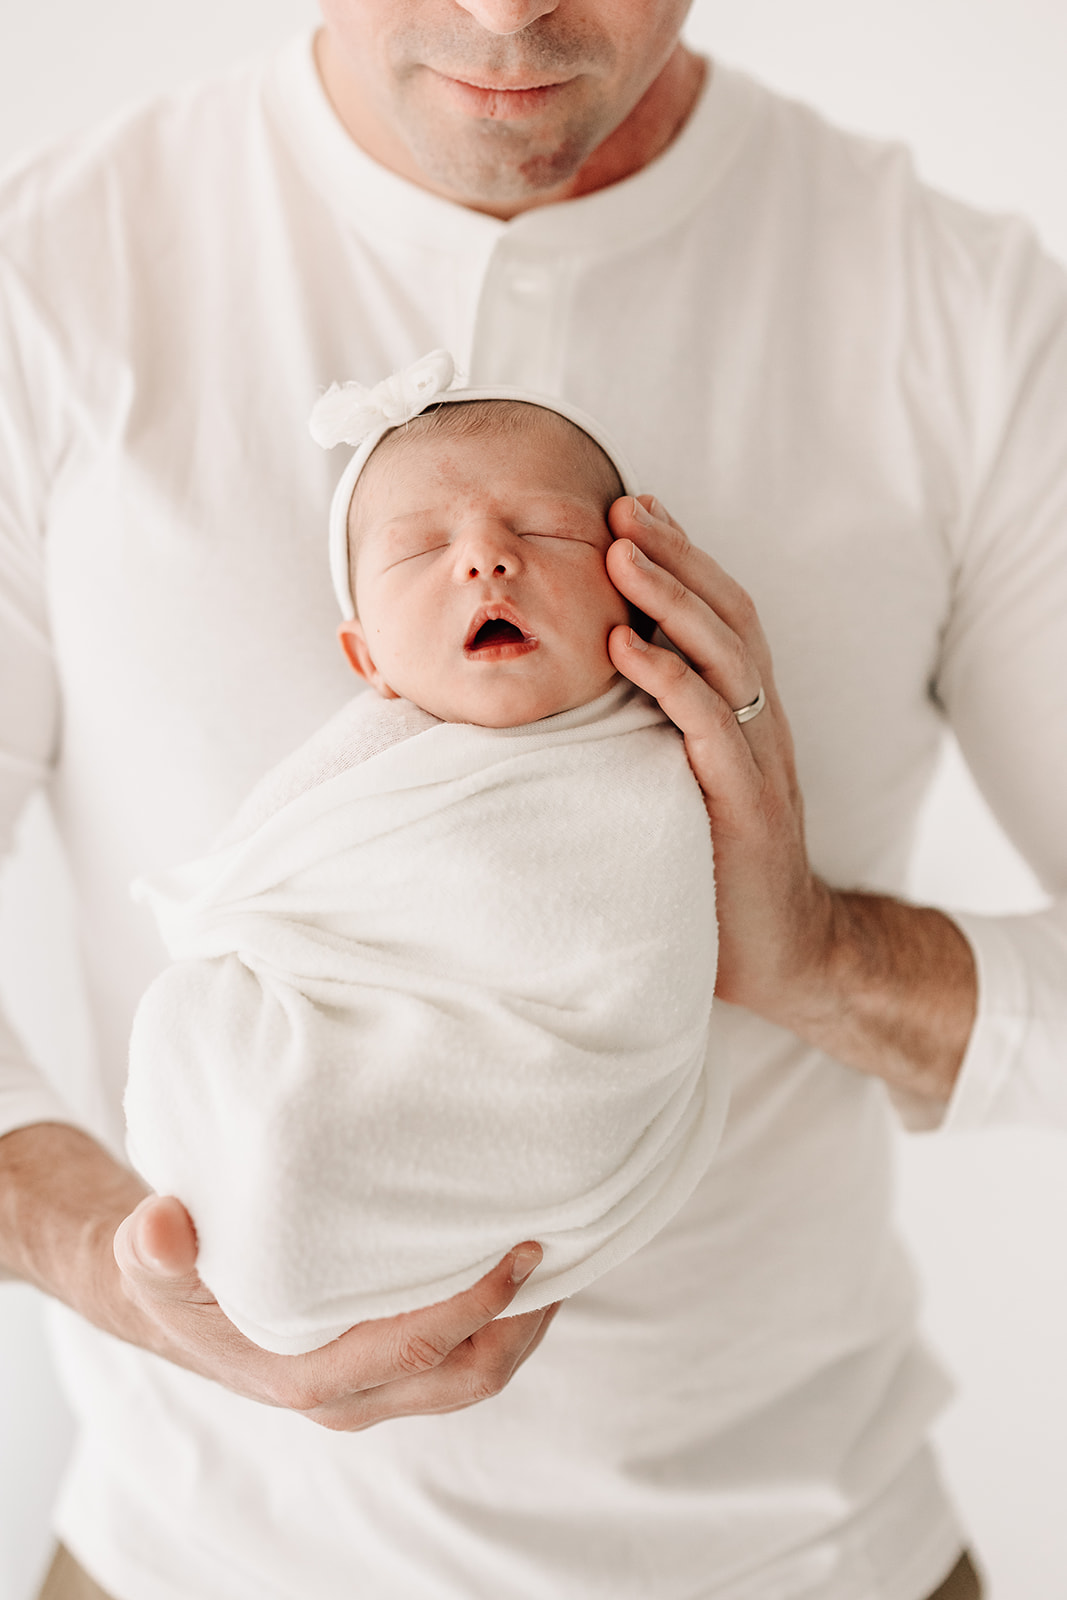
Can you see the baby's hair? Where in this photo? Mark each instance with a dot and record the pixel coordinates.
(469, 419)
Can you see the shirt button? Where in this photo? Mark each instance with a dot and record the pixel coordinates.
(530, 281)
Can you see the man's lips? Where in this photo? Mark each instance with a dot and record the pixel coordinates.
(499, 101)
(497, 633)
(496, 87)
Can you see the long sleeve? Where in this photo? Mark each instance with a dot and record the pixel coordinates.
(1003, 682)
(28, 697)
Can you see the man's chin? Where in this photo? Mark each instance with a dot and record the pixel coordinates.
(497, 165)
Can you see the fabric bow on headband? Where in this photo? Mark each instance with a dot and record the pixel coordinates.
(348, 413)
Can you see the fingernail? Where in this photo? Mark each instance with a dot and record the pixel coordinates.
(142, 1252)
(635, 641)
(639, 558)
(656, 510)
(136, 1246)
(640, 513)
(523, 1262)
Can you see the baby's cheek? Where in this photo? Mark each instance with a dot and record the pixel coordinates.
(619, 610)
(616, 607)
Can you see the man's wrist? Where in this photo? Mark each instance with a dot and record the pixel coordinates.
(889, 989)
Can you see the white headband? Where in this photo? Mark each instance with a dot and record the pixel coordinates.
(350, 414)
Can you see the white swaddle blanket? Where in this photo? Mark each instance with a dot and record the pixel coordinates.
(442, 988)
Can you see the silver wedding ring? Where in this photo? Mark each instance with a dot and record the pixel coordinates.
(753, 709)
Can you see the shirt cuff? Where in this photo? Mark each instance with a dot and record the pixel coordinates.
(1000, 1079)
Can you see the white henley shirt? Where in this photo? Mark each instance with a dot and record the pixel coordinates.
(852, 391)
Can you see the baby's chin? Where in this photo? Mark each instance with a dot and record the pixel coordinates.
(512, 704)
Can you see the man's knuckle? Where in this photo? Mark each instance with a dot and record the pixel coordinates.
(418, 1352)
(777, 810)
(487, 1306)
(485, 1383)
(736, 658)
(674, 537)
(746, 618)
(723, 717)
(289, 1394)
(488, 1375)
(674, 668)
(677, 593)
(487, 1298)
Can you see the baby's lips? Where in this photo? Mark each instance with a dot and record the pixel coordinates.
(497, 612)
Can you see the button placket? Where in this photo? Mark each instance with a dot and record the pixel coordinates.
(517, 321)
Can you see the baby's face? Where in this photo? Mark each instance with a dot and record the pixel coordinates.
(479, 576)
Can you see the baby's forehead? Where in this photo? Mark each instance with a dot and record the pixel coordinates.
(543, 449)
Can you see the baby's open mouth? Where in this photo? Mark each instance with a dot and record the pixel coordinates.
(496, 632)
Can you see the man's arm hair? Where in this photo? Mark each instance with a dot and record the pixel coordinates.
(61, 1199)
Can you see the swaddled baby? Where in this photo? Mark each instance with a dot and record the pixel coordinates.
(445, 981)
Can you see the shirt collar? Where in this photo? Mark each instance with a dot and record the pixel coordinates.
(374, 200)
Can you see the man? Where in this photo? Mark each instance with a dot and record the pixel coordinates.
(845, 386)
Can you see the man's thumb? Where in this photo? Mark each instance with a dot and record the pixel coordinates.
(157, 1241)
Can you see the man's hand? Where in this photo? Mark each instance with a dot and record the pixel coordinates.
(81, 1228)
(774, 913)
(885, 987)
(439, 1359)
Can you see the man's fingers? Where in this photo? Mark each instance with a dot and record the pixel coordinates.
(489, 1359)
(663, 541)
(437, 1359)
(657, 512)
(719, 653)
(547, 1317)
(435, 1332)
(720, 753)
(701, 692)
(388, 1367)
(480, 1366)
(701, 710)
(475, 1370)
(419, 1341)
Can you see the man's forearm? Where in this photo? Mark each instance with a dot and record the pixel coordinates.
(894, 994)
(61, 1199)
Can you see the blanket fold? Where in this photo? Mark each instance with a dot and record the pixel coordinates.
(431, 1002)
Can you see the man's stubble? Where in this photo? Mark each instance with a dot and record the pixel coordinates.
(505, 162)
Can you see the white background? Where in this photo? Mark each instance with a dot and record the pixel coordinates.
(977, 88)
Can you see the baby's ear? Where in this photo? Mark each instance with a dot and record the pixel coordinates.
(354, 644)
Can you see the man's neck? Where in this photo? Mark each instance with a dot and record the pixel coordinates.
(652, 125)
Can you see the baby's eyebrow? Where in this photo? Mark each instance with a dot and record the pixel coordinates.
(410, 523)
(427, 514)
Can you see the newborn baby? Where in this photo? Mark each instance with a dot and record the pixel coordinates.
(445, 982)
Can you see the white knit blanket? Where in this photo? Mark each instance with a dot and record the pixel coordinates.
(442, 989)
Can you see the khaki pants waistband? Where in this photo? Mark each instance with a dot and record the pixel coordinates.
(66, 1580)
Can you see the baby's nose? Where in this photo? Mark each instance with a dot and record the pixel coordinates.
(500, 567)
(488, 550)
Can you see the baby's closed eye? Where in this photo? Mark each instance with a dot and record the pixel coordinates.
(568, 535)
(414, 549)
